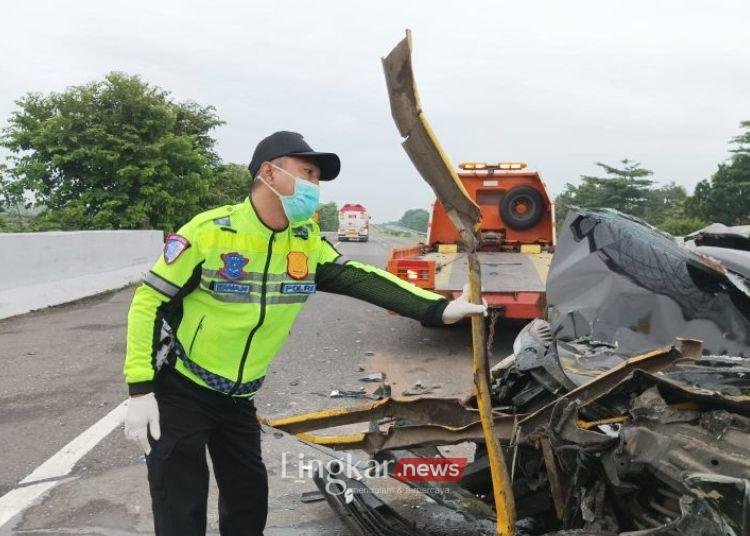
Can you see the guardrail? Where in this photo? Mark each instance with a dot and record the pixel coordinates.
(43, 269)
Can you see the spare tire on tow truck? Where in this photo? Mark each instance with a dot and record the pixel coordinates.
(521, 208)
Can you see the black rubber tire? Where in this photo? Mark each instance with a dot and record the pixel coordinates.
(535, 208)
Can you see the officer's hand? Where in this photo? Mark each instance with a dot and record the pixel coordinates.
(460, 308)
(142, 416)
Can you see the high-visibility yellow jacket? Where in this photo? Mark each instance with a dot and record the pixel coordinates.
(221, 300)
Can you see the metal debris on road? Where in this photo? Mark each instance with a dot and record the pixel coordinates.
(376, 377)
(420, 389)
(312, 496)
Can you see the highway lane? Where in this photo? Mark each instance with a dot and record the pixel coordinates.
(62, 373)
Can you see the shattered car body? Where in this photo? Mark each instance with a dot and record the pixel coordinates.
(617, 280)
(677, 466)
(655, 454)
(612, 417)
(729, 245)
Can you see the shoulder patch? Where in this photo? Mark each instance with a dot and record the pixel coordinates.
(174, 246)
(224, 221)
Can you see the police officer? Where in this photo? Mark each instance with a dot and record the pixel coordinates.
(210, 317)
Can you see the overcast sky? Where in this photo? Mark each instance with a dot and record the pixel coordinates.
(559, 85)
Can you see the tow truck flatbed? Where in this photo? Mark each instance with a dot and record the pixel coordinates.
(501, 271)
(512, 282)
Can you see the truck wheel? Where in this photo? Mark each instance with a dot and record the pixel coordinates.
(522, 208)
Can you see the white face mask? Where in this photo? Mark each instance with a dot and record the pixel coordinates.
(302, 203)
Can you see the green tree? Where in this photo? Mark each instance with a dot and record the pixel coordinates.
(229, 185)
(725, 197)
(626, 188)
(416, 218)
(630, 190)
(682, 225)
(11, 203)
(668, 211)
(663, 203)
(328, 216)
(112, 154)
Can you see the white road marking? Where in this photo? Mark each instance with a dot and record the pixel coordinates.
(51, 473)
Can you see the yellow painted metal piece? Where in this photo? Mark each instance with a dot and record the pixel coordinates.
(433, 164)
(502, 489)
(447, 248)
(332, 441)
(420, 142)
(309, 419)
(457, 183)
(531, 248)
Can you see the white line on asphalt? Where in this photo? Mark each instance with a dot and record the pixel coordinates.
(49, 474)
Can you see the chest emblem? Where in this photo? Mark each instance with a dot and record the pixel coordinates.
(233, 266)
(296, 265)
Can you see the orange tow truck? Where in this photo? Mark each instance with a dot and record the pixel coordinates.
(517, 241)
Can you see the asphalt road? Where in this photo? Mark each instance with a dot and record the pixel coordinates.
(61, 373)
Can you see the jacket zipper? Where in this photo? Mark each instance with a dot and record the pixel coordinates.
(261, 317)
(195, 335)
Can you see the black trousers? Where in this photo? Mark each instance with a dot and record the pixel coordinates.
(193, 417)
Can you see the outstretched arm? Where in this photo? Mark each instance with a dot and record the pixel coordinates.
(340, 275)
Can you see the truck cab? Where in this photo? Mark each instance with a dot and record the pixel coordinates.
(517, 238)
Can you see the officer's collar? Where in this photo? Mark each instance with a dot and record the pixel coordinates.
(255, 219)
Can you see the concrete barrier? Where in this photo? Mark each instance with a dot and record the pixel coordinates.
(42, 269)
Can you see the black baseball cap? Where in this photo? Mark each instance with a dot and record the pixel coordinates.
(285, 143)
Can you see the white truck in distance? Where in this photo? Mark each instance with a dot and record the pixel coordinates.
(354, 223)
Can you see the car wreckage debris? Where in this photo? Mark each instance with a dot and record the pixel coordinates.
(605, 428)
(360, 509)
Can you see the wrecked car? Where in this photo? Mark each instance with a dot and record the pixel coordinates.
(627, 412)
